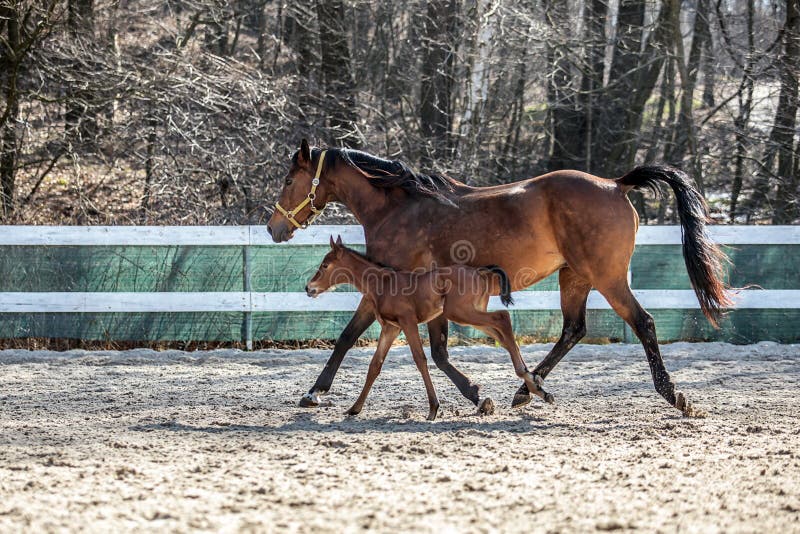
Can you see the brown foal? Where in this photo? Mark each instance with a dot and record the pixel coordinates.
(401, 300)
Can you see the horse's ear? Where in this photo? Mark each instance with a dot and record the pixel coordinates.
(333, 245)
(304, 156)
(338, 240)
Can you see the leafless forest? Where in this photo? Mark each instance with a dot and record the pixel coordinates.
(186, 111)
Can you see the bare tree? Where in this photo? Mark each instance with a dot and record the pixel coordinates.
(436, 83)
(339, 94)
(185, 110)
(780, 146)
(25, 25)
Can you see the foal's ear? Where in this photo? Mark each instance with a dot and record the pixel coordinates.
(333, 245)
(338, 241)
(304, 156)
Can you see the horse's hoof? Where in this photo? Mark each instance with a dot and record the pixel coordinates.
(549, 399)
(486, 406)
(686, 407)
(433, 413)
(309, 400)
(353, 412)
(520, 400)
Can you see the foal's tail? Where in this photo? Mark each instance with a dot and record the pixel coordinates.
(505, 284)
(703, 258)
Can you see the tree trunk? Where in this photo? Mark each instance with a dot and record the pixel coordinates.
(299, 36)
(592, 82)
(684, 136)
(149, 165)
(477, 91)
(436, 84)
(339, 98)
(708, 68)
(8, 127)
(612, 119)
(785, 119)
(565, 121)
(216, 35)
(507, 162)
(80, 114)
(745, 99)
(632, 78)
(781, 138)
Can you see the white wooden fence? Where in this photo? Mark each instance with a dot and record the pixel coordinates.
(251, 301)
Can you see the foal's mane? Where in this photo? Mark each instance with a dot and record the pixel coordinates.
(366, 259)
(386, 173)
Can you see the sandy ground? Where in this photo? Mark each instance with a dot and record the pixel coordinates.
(138, 440)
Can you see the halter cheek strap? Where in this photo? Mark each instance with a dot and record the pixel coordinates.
(290, 214)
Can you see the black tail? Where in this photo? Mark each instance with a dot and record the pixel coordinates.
(505, 284)
(703, 258)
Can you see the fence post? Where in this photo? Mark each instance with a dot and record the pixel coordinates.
(247, 327)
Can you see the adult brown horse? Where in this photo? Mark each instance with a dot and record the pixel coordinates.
(575, 223)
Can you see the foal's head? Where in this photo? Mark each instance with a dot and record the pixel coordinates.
(331, 271)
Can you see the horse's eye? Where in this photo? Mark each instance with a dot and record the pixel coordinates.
(288, 181)
(324, 265)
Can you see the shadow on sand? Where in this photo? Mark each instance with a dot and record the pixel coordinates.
(524, 423)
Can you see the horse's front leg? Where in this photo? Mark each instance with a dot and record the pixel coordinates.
(437, 331)
(361, 320)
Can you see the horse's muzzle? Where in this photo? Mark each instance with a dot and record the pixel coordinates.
(280, 233)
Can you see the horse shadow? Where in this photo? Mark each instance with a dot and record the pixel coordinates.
(524, 423)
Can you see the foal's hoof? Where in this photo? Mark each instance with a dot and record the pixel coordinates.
(353, 411)
(310, 400)
(432, 414)
(520, 399)
(549, 399)
(486, 406)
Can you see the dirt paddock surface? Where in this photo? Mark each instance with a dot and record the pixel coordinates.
(214, 441)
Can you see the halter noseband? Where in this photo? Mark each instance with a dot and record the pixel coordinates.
(308, 200)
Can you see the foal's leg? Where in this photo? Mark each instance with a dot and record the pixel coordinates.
(621, 298)
(412, 336)
(388, 335)
(574, 291)
(361, 320)
(497, 324)
(437, 332)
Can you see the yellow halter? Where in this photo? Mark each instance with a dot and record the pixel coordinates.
(308, 200)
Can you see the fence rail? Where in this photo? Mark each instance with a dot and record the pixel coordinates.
(233, 282)
(318, 235)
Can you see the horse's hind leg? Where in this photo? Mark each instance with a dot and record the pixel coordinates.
(415, 343)
(388, 335)
(437, 331)
(625, 304)
(574, 291)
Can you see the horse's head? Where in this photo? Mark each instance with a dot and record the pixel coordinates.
(330, 272)
(304, 194)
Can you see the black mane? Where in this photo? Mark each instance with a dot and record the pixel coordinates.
(385, 173)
